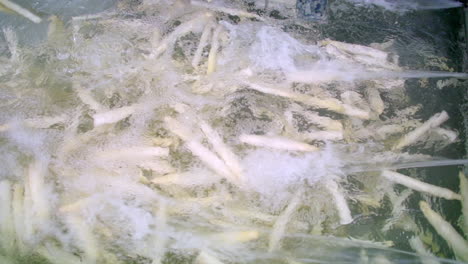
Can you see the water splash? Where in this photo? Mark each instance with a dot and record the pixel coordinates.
(405, 165)
(334, 72)
(139, 182)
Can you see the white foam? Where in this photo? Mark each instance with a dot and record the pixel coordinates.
(276, 50)
(273, 173)
(114, 176)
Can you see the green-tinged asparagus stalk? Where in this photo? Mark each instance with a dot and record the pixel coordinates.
(417, 245)
(212, 56)
(340, 202)
(280, 225)
(445, 230)
(464, 196)
(7, 230)
(18, 216)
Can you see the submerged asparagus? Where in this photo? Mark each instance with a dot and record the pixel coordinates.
(445, 230)
(133, 180)
(21, 10)
(420, 186)
(413, 136)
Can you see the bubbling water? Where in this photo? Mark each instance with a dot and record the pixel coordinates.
(201, 132)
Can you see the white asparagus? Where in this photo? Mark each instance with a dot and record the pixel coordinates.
(203, 42)
(173, 178)
(28, 214)
(353, 53)
(182, 108)
(44, 122)
(448, 82)
(206, 258)
(356, 49)
(160, 238)
(398, 207)
(281, 222)
(276, 142)
(36, 179)
(18, 216)
(331, 104)
(41, 122)
(324, 122)
(84, 237)
(375, 62)
(398, 201)
(132, 153)
(212, 56)
(21, 10)
(340, 201)
(370, 61)
(195, 25)
(93, 16)
(226, 10)
(323, 135)
(207, 204)
(177, 128)
(7, 237)
(56, 32)
(155, 38)
(375, 101)
(445, 230)
(352, 98)
(413, 136)
(113, 116)
(268, 219)
(258, 216)
(417, 245)
(75, 206)
(57, 255)
(163, 141)
(128, 187)
(87, 98)
(292, 128)
(450, 135)
(228, 156)
(464, 200)
(73, 141)
(210, 159)
(386, 130)
(420, 186)
(355, 112)
(236, 236)
(157, 166)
